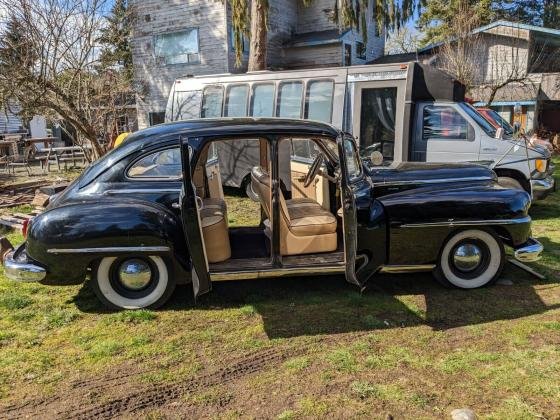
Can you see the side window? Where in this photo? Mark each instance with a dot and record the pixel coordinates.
(319, 100)
(289, 100)
(262, 100)
(303, 149)
(236, 101)
(212, 100)
(187, 105)
(353, 167)
(164, 163)
(443, 123)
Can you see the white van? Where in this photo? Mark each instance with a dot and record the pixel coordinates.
(407, 112)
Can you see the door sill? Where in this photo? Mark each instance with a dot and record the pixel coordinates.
(277, 272)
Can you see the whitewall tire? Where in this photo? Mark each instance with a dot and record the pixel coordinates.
(132, 282)
(470, 259)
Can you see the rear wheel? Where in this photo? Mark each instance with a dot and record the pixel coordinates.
(132, 282)
(470, 259)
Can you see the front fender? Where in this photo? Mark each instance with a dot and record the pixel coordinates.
(421, 219)
(80, 229)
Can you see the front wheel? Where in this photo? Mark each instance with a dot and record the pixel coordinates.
(470, 259)
(132, 282)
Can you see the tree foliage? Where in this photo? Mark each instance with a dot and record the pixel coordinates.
(116, 38)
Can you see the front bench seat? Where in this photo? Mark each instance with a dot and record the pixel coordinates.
(215, 230)
(305, 227)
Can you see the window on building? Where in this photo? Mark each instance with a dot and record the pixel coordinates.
(236, 101)
(262, 100)
(319, 100)
(361, 50)
(347, 54)
(156, 118)
(122, 124)
(289, 100)
(178, 47)
(164, 163)
(444, 123)
(244, 43)
(212, 100)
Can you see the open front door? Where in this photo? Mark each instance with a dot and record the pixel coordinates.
(352, 185)
(192, 226)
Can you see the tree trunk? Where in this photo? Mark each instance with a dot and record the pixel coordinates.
(257, 53)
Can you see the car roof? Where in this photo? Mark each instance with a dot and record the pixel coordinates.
(234, 127)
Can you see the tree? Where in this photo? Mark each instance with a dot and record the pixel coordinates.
(401, 41)
(249, 18)
(50, 64)
(534, 12)
(116, 38)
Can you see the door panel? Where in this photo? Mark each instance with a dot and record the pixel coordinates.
(192, 225)
(318, 190)
(214, 179)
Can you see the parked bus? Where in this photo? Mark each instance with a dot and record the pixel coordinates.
(407, 112)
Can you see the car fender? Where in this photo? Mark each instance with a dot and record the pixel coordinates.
(69, 238)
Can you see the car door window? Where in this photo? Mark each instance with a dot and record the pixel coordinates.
(353, 166)
(444, 123)
(164, 163)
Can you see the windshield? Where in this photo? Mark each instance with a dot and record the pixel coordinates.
(479, 119)
(508, 129)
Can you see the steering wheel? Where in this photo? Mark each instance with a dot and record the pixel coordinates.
(314, 170)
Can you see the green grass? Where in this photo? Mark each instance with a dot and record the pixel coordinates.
(406, 347)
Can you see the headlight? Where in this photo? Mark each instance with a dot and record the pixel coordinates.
(540, 165)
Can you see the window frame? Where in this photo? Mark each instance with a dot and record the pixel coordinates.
(133, 178)
(309, 83)
(185, 30)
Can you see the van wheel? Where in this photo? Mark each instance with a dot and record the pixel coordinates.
(132, 282)
(470, 259)
(507, 182)
(248, 189)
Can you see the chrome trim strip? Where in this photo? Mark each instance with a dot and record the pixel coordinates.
(432, 181)
(530, 252)
(22, 271)
(279, 272)
(452, 223)
(394, 269)
(110, 249)
(142, 191)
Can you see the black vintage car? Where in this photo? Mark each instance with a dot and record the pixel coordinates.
(151, 214)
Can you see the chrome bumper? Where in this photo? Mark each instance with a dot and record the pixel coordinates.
(530, 251)
(543, 187)
(18, 268)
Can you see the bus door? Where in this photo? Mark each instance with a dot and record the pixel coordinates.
(378, 118)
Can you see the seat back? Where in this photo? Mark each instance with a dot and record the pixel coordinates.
(260, 182)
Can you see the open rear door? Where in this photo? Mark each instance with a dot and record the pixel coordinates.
(351, 183)
(190, 206)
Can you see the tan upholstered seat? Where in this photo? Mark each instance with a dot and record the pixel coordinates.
(213, 218)
(305, 227)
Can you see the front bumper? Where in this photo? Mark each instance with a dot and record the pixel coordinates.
(543, 187)
(530, 251)
(17, 267)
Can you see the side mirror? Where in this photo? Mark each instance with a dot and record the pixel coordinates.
(376, 158)
(499, 133)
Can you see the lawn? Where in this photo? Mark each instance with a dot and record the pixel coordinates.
(291, 348)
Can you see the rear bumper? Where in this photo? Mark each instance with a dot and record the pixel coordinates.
(543, 187)
(530, 251)
(18, 267)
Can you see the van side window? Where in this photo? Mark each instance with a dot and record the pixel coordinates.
(262, 100)
(236, 101)
(212, 100)
(319, 100)
(289, 100)
(443, 123)
(187, 105)
(164, 163)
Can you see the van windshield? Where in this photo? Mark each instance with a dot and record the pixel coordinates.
(479, 119)
(508, 129)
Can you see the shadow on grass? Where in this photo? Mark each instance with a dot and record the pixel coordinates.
(293, 307)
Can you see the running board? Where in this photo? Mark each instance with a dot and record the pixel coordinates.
(276, 272)
(396, 269)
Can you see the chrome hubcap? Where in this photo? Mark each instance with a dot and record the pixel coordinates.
(135, 274)
(467, 257)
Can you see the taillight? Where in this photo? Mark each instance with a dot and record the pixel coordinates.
(25, 228)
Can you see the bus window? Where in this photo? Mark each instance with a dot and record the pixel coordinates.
(262, 100)
(236, 101)
(377, 121)
(289, 100)
(212, 99)
(187, 105)
(319, 100)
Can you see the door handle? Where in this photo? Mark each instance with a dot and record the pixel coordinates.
(176, 205)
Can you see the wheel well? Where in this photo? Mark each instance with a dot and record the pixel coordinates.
(518, 176)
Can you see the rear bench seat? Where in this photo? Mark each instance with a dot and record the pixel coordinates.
(213, 218)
